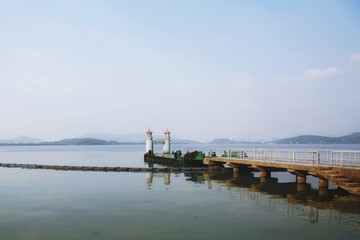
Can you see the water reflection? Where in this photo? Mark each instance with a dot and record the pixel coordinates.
(285, 198)
(150, 176)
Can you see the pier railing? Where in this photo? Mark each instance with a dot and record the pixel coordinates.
(317, 158)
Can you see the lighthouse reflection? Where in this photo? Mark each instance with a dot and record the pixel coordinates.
(151, 175)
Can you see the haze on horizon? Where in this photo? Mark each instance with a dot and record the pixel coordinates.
(236, 69)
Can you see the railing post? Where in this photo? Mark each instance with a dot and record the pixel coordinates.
(341, 159)
(318, 159)
(331, 158)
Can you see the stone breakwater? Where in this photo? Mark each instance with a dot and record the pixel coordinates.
(109, 169)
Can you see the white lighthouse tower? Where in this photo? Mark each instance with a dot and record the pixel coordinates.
(166, 147)
(149, 141)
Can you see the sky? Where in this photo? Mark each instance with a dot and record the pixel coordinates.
(203, 69)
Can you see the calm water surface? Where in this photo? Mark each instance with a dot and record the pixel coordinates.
(48, 204)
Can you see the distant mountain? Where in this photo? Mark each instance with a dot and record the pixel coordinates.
(21, 140)
(106, 139)
(230, 141)
(132, 138)
(222, 141)
(353, 138)
(116, 137)
(70, 141)
(182, 141)
(83, 141)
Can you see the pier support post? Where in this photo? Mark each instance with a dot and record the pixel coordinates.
(235, 172)
(300, 175)
(264, 174)
(323, 183)
(263, 179)
(300, 187)
(301, 179)
(323, 191)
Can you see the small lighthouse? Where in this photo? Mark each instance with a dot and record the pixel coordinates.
(149, 141)
(166, 147)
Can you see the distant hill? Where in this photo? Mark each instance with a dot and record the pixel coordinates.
(21, 140)
(71, 141)
(353, 138)
(132, 138)
(182, 141)
(230, 141)
(116, 137)
(222, 141)
(82, 141)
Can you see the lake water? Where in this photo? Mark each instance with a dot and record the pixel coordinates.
(49, 204)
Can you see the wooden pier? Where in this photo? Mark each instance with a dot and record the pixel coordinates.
(341, 167)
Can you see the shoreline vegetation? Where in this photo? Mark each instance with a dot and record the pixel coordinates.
(353, 138)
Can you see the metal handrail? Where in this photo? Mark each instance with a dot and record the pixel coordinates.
(307, 157)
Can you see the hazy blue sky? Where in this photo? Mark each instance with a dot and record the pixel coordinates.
(242, 69)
